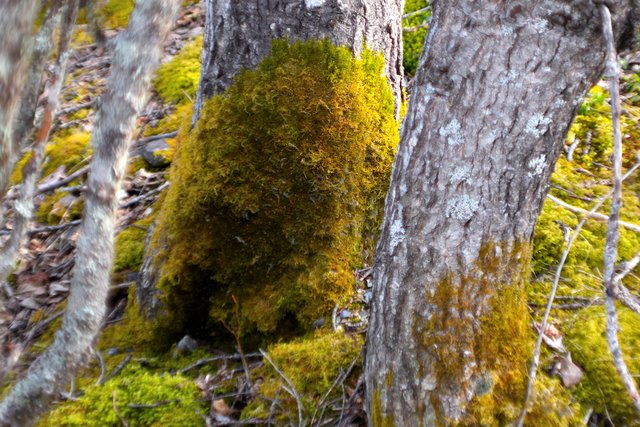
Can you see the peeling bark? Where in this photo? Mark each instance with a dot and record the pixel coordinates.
(16, 19)
(136, 56)
(497, 87)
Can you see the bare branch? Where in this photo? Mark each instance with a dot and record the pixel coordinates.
(593, 214)
(291, 389)
(613, 231)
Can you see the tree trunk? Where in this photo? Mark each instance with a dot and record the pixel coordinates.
(497, 87)
(16, 19)
(137, 54)
(238, 35)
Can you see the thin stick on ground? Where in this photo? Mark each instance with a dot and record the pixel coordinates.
(290, 388)
(613, 230)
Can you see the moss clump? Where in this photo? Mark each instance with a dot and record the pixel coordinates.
(67, 150)
(277, 193)
(312, 364)
(115, 13)
(169, 400)
(129, 246)
(414, 40)
(59, 207)
(177, 80)
(602, 389)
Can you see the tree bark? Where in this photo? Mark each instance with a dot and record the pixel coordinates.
(238, 35)
(16, 19)
(137, 54)
(497, 87)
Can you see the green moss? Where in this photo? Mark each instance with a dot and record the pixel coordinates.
(68, 150)
(59, 207)
(176, 397)
(312, 365)
(177, 80)
(602, 389)
(129, 246)
(414, 40)
(277, 193)
(115, 13)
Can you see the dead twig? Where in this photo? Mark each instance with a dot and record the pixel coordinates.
(117, 369)
(202, 362)
(117, 411)
(289, 388)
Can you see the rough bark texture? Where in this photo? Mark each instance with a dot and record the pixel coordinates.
(33, 84)
(136, 56)
(24, 204)
(497, 88)
(16, 19)
(238, 34)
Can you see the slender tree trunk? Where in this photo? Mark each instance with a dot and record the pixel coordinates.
(24, 204)
(16, 19)
(238, 35)
(43, 44)
(497, 87)
(136, 56)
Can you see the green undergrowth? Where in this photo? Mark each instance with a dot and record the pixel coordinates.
(581, 182)
(140, 398)
(414, 40)
(129, 246)
(277, 194)
(312, 365)
(177, 80)
(602, 389)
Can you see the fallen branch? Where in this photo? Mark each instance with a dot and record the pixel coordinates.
(50, 186)
(202, 362)
(592, 214)
(115, 409)
(117, 369)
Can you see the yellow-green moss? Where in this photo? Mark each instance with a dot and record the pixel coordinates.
(52, 211)
(67, 150)
(312, 364)
(129, 246)
(601, 389)
(278, 191)
(115, 13)
(414, 40)
(177, 398)
(177, 80)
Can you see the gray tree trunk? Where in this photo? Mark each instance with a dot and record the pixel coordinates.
(497, 87)
(16, 19)
(136, 56)
(238, 35)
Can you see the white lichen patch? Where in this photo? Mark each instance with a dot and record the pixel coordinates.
(462, 207)
(540, 25)
(314, 3)
(396, 231)
(537, 125)
(537, 165)
(511, 76)
(453, 132)
(461, 174)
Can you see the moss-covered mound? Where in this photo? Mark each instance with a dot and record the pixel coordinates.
(177, 80)
(277, 193)
(312, 365)
(137, 398)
